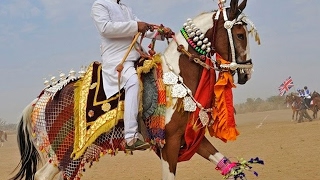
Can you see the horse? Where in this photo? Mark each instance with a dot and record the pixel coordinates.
(220, 44)
(315, 104)
(293, 101)
(298, 105)
(3, 137)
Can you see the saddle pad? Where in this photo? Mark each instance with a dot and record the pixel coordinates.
(93, 114)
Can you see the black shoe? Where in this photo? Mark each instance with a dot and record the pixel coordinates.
(138, 145)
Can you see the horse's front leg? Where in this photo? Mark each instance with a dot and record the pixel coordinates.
(169, 157)
(209, 152)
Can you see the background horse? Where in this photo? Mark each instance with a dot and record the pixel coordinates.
(293, 101)
(298, 106)
(223, 32)
(315, 104)
(3, 137)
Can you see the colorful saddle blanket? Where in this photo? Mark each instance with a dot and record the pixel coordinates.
(94, 114)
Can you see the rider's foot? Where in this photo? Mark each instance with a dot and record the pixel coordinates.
(138, 145)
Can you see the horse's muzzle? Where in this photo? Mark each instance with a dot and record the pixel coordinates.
(244, 74)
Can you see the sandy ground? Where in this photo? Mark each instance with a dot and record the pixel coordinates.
(290, 150)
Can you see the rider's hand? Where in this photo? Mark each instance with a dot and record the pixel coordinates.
(143, 27)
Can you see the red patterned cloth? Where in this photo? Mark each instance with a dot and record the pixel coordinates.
(204, 95)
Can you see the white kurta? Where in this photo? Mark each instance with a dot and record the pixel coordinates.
(117, 26)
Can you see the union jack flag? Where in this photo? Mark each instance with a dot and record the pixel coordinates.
(285, 86)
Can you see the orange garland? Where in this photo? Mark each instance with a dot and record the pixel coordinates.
(224, 126)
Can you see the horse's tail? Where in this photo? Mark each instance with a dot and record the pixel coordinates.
(28, 152)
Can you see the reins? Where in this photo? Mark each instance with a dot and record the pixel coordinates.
(205, 53)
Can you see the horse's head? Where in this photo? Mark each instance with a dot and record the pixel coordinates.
(315, 94)
(230, 38)
(290, 98)
(222, 33)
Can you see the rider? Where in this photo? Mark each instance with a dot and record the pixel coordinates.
(307, 96)
(300, 92)
(117, 26)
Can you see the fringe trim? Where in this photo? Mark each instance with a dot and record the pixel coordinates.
(77, 92)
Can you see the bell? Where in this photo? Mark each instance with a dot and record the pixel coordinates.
(53, 80)
(46, 82)
(195, 39)
(192, 34)
(72, 74)
(81, 72)
(62, 76)
(201, 36)
(185, 24)
(199, 43)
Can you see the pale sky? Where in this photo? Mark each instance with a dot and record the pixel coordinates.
(39, 38)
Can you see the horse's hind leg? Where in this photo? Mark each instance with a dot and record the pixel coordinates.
(47, 172)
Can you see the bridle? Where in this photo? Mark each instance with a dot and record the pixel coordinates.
(228, 25)
(190, 31)
(195, 39)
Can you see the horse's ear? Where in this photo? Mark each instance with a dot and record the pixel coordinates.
(243, 5)
(233, 9)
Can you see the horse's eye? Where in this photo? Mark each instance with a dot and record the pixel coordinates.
(240, 36)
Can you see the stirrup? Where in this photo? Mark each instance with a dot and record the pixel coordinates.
(138, 145)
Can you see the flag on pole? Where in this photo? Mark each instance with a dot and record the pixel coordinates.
(285, 86)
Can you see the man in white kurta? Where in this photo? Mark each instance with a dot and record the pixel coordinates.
(117, 26)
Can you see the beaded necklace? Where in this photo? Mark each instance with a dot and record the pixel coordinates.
(195, 37)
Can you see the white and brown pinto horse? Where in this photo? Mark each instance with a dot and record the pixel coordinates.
(3, 137)
(226, 30)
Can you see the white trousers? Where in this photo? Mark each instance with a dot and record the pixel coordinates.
(131, 107)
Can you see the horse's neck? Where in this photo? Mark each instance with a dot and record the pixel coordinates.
(171, 55)
(204, 21)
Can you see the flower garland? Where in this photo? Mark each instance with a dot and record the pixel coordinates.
(195, 37)
(238, 168)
